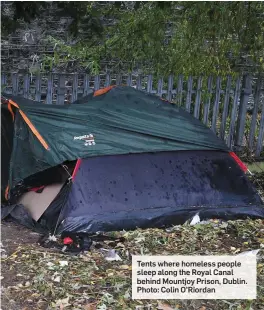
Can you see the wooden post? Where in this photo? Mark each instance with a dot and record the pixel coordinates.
(38, 88)
(107, 80)
(149, 84)
(160, 87)
(216, 103)
(97, 82)
(61, 90)
(179, 90)
(86, 84)
(74, 96)
(226, 106)
(189, 94)
(3, 81)
(49, 89)
(170, 87)
(15, 84)
(242, 112)
(26, 86)
(208, 101)
(139, 83)
(198, 98)
(129, 80)
(234, 114)
(118, 80)
(261, 133)
(254, 114)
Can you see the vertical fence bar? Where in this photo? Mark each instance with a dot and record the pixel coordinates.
(61, 90)
(74, 96)
(149, 84)
(97, 82)
(50, 89)
(118, 80)
(15, 84)
(189, 94)
(208, 100)
(3, 81)
(107, 80)
(179, 89)
(242, 112)
(26, 86)
(129, 80)
(261, 134)
(234, 113)
(216, 103)
(226, 106)
(170, 88)
(198, 98)
(160, 87)
(38, 88)
(86, 85)
(139, 83)
(254, 114)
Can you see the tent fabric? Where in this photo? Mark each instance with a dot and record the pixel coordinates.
(121, 121)
(137, 161)
(147, 190)
(6, 146)
(157, 189)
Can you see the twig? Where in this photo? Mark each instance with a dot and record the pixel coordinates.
(18, 250)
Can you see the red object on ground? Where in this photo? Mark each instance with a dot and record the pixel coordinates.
(243, 167)
(67, 240)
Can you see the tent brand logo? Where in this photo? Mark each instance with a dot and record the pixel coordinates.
(88, 139)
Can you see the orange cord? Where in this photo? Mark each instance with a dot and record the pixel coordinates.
(103, 90)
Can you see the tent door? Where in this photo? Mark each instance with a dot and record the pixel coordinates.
(37, 203)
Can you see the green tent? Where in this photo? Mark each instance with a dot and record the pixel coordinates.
(121, 121)
(117, 159)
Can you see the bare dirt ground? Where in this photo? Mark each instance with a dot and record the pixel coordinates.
(13, 237)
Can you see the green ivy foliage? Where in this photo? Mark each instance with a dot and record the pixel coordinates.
(164, 37)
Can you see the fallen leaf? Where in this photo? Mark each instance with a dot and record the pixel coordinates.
(50, 264)
(127, 294)
(63, 263)
(112, 256)
(252, 252)
(90, 306)
(57, 279)
(163, 306)
(62, 303)
(125, 267)
(120, 245)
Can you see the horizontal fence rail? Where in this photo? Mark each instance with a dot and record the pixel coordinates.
(232, 107)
